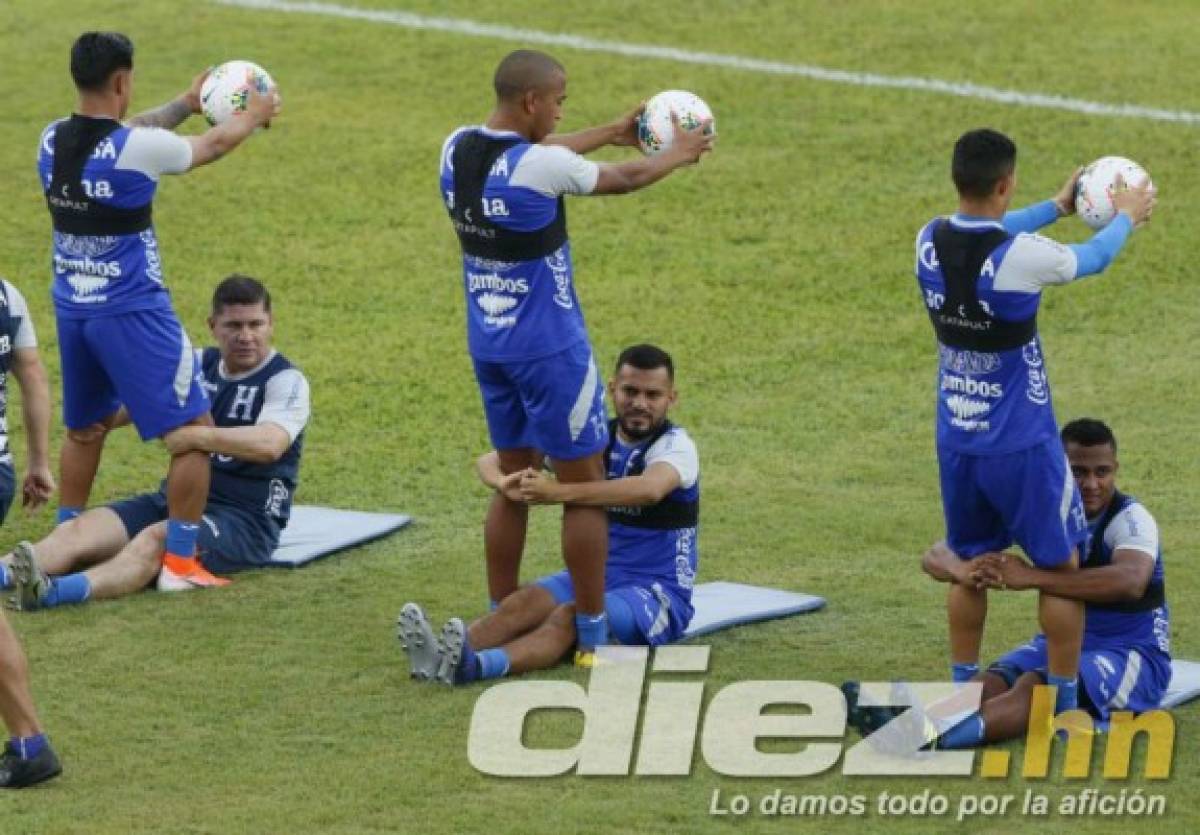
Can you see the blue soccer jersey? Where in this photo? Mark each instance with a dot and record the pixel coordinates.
(518, 277)
(99, 187)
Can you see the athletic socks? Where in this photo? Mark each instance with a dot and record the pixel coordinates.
(1066, 694)
(493, 663)
(962, 673)
(66, 514)
(966, 734)
(28, 747)
(181, 538)
(66, 590)
(591, 631)
(5, 577)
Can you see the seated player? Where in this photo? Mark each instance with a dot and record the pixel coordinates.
(1126, 658)
(27, 758)
(652, 493)
(260, 404)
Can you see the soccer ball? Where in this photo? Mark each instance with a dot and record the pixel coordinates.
(1097, 186)
(654, 129)
(224, 91)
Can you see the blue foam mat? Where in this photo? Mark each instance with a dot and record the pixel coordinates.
(720, 605)
(314, 532)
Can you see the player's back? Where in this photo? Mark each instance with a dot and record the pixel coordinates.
(99, 178)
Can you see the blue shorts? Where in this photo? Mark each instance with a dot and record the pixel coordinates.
(230, 539)
(637, 615)
(1109, 679)
(554, 404)
(1029, 497)
(141, 359)
(8, 487)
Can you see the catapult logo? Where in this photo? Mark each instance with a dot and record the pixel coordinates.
(623, 697)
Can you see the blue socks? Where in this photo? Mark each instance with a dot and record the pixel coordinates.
(966, 734)
(493, 663)
(66, 514)
(66, 590)
(1066, 694)
(962, 673)
(28, 747)
(181, 538)
(5, 577)
(591, 631)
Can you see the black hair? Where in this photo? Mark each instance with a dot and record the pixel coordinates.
(240, 289)
(646, 358)
(981, 158)
(522, 71)
(1089, 432)
(95, 56)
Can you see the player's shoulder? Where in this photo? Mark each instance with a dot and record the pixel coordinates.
(675, 440)
(1134, 516)
(558, 156)
(1033, 246)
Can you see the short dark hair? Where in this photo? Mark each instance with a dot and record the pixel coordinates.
(95, 56)
(240, 289)
(646, 358)
(981, 158)
(522, 71)
(1089, 432)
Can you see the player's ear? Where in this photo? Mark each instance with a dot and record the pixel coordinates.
(612, 389)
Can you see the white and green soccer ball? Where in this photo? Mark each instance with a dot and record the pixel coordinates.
(654, 129)
(224, 91)
(1098, 185)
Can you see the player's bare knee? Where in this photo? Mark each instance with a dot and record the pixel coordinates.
(562, 619)
(88, 435)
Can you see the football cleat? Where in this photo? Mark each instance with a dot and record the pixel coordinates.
(419, 643)
(29, 583)
(178, 574)
(17, 773)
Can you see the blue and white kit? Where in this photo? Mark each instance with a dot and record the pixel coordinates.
(16, 333)
(1003, 470)
(119, 339)
(525, 330)
(248, 503)
(1126, 658)
(652, 551)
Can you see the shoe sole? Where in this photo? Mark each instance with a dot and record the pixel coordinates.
(450, 648)
(29, 584)
(418, 642)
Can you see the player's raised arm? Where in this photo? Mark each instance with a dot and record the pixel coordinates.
(217, 141)
(1033, 218)
(686, 149)
(175, 112)
(1134, 206)
(621, 131)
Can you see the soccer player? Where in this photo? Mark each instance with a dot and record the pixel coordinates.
(1126, 656)
(119, 339)
(27, 758)
(1003, 472)
(260, 404)
(652, 494)
(503, 183)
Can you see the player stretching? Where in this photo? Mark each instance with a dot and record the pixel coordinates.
(1004, 475)
(503, 184)
(119, 339)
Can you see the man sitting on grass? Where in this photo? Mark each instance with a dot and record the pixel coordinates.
(652, 492)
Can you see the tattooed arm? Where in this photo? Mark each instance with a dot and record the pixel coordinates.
(175, 112)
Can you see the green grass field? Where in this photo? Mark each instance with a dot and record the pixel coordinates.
(778, 273)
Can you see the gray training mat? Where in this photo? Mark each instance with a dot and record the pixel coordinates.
(720, 605)
(314, 532)
(1185, 683)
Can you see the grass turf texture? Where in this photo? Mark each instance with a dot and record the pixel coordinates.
(779, 275)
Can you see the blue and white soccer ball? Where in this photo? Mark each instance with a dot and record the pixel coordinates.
(224, 91)
(1098, 185)
(655, 132)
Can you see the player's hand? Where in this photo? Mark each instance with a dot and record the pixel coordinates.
(510, 487)
(262, 107)
(1135, 201)
(690, 144)
(537, 487)
(625, 131)
(192, 96)
(37, 488)
(1065, 198)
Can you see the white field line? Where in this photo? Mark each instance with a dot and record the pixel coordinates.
(472, 28)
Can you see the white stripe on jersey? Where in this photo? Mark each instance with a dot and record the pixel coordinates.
(1133, 668)
(186, 368)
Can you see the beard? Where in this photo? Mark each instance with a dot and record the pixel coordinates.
(638, 433)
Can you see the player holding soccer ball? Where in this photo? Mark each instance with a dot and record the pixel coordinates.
(503, 183)
(119, 339)
(1004, 474)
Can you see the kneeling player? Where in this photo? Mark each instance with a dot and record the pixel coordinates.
(260, 405)
(1125, 663)
(652, 493)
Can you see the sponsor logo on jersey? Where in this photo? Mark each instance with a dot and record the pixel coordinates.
(494, 282)
(968, 362)
(91, 246)
(967, 385)
(965, 411)
(561, 268)
(277, 496)
(1037, 388)
(86, 266)
(495, 304)
(928, 256)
